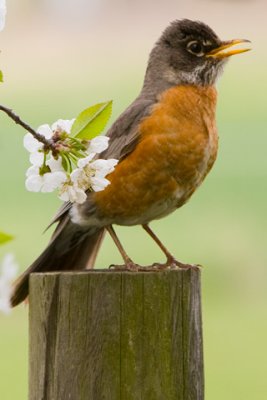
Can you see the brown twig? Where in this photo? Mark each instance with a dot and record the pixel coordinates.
(48, 143)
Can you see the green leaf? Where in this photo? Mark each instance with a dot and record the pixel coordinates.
(5, 238)
(1, 76)
(91, 122)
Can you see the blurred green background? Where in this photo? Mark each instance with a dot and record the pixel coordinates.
(59, 57)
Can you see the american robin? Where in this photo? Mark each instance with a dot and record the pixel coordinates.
(166, 141)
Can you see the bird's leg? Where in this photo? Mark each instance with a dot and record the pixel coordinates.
(171, 261)
(129, 264)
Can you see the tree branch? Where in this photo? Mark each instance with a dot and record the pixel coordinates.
(48, 143)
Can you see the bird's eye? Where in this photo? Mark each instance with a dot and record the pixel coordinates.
(195, 48)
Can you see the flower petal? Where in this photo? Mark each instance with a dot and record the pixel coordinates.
(99, 184)
(80, 196)
(37, 158)
(33, 170)
(77, 175)
(52, 180)
(73, 194)
(31, 144)
(9, 267)
(34, 183)
(2, 14)
(98, 144)
(104, 167)
(8, 273)
(82, 162)
(63, 124)
(55, 165)
(5, 305)
(64, 196)
(45, 130)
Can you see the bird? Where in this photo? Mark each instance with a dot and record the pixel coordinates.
(166, 142)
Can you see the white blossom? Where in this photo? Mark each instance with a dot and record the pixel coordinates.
(47, 173)
(2, 14)
(96, 171)
(98, 144)
(37, 158)
(99, 184)
(45, 130)
(79, 178)
(35, 147)
(83, 162)
(63, 125)
(89, 174)
(55, 165)
(31, 144)
(69, 191)
(8, 273)
(74, 188)
(104, 167)
(47, 182)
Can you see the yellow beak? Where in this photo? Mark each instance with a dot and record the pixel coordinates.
(226, 50)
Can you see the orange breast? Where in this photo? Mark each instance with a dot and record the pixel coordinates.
(178, 146)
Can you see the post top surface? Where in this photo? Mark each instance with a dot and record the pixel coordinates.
(118, 272)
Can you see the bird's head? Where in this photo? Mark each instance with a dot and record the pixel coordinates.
(189, 52)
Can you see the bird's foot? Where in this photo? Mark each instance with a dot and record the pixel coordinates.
(172, 263)
(132, 267)
(129, 266)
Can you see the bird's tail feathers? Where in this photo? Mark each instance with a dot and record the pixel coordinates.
(71, 248)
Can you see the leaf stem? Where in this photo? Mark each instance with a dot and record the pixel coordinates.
(47, 143)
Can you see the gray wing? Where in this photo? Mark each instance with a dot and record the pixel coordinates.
(124, 134)
(124, 137)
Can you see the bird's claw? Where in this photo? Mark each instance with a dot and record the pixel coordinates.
(130, 266)
(175, 264)
(171, 264)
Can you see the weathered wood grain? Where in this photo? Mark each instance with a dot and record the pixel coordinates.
(103, 335)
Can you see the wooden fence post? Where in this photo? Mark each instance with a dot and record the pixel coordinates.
(101, 335)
